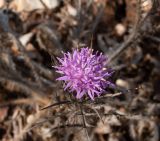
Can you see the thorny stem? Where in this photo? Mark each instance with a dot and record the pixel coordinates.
(87, 100)
(84, 121)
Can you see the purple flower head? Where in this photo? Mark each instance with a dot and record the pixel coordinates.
(84, 72)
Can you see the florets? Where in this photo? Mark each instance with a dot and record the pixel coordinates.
(84, 72)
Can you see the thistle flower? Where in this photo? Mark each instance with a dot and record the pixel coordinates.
(84, 72)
